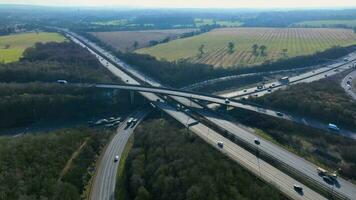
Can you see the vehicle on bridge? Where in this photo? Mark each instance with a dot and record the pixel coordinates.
(220, 144)
(333, 127)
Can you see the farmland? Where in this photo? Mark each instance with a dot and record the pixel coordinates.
(125, 40)
(12, 46)
(279, 43)
(327, 23)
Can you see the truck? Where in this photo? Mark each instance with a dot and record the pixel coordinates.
(333, 127)
(284, 80)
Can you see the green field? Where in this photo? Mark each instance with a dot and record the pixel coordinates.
(327, 23)
(295, 41)
(13, 46)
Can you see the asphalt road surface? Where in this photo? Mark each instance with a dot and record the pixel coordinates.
(271, 174)
(347, 84)
(105, 178)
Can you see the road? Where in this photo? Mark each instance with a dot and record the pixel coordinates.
(346, 83)
(105, 177)
(222, 101)
(246, 159)
(338, 66)
(184, 118)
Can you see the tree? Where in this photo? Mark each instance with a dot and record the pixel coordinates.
(201, 50)
(135, 45)
(7, 46)
(263, 49)
(142, 194)
(231, 47)
(254, 48)
(284, 52)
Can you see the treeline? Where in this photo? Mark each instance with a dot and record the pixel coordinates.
(168, 162)
(286, 18)
(324, 100)
(31, 165)
(327, 150)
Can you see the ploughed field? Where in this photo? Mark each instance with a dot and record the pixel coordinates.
(125, 40)
(279, 43)
(13, 46)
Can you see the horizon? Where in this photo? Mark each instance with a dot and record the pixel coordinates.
(192, 4)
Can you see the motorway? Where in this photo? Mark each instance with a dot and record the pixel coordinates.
(222, 101)
(346, 83)
(203, 130)
(338, 66)
(104, 183)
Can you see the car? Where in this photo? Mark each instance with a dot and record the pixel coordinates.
(325, 75)
(245, 90)
(227, 101)
(257, 141)
(269, 90)
(279, 114)
(220, 144)
(298, 188)
(116, 158)
(328, 179)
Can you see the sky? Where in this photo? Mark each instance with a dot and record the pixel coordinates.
(192, 3)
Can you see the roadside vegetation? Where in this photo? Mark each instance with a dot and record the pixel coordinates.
(169, 162)
(13, 46)
(324, 100)
(241, 47)
(31, 165)
(327, 150)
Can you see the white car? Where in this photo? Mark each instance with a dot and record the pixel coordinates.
(116, 158)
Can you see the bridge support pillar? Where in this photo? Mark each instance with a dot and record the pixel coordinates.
(132, 97)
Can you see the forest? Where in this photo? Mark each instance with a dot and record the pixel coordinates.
(324, 100)
(32, 166)
(169, 162)
(29, 91)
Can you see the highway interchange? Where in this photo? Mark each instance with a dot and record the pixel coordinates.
(272, 175)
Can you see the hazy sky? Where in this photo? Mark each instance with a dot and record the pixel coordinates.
(192, 3)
